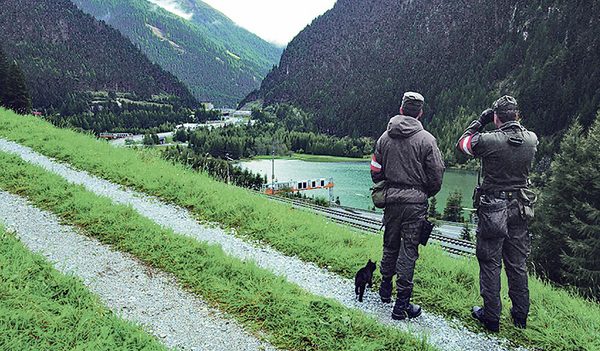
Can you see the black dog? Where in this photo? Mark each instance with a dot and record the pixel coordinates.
(363, 279)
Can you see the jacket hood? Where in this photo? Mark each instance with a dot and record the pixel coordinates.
(401, 126)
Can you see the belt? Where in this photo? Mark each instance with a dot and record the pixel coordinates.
(399, 186)
(503, 194)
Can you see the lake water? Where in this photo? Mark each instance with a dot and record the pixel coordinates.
(353, 179)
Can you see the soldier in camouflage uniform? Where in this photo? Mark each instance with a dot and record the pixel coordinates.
(407, 157)
(503, 203)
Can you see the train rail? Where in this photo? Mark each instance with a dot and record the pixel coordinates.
(372, 222)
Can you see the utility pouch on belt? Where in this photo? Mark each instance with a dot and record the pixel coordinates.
(477, 192)
(493, 218)
(426, 232)
(378, 193)
(526, 200)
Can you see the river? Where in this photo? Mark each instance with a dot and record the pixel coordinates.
(352, 180)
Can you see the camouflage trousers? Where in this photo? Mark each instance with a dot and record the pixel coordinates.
(502, 236)
(403, 223)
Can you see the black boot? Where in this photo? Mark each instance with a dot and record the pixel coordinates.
(385, 289)
(477, 313)
(403, 309)
(413, 311)
(519, 322)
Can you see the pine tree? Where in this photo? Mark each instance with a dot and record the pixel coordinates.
(433, 212)
(465, 233)
(148, 139)
(453, 210)
(3, 76)
(567, 234)
(181, 135)
(16, 93)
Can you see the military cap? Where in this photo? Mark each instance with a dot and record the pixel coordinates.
(505, 103)
(412, 102)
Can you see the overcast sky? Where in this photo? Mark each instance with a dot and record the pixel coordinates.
(276, 21)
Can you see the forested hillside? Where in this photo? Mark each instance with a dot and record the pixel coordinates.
(61, 50)
(352, 64)
(14, 92)
(219, 61)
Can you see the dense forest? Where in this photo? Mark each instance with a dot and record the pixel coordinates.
(14, 92)
(218, 60)
(566, 230)
(117, 112)
(60, 51)
(280, 130)
(352, 64)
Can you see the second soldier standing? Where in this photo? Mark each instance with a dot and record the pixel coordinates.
(407, 157)
(504, 203)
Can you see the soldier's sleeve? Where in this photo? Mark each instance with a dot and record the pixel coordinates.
(434, 169)
(377, 173)
(469, 139)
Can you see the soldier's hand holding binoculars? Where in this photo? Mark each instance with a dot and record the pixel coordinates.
(486, 117)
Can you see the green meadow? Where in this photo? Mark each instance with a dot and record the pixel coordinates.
(291, 317)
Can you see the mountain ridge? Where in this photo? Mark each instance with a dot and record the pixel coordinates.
(201, 57)
(352, 64)
(62, 51)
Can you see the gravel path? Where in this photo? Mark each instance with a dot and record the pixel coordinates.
(440, 333)
(130, 288)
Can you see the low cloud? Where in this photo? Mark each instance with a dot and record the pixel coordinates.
(172, 6)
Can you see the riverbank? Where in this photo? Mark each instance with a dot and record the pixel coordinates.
(308, 158)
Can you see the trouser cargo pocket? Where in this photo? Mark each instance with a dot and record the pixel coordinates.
(493, 218)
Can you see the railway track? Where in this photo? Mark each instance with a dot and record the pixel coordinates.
(373, 223)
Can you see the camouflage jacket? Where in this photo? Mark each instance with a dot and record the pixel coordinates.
(408, 158)
(506, 154)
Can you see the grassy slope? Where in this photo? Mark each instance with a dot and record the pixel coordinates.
(41, 309)
(558, 320)
(294, 318)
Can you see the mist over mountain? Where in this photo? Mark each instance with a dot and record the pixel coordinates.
(61, 51)
(352, 64)
(219, 61)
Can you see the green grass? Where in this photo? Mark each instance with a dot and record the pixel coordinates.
(42, 309)
(558, 320)
(293, 318)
